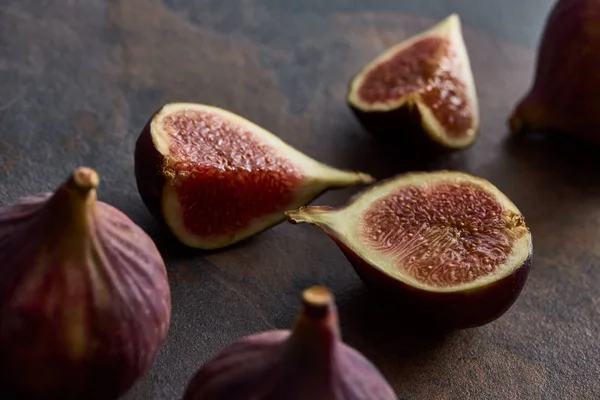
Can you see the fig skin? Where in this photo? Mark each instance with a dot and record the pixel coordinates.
(148, 170)
(383, 125)
(84, 301)
(437, 310)
(309, 362)
(565, 87)
(430, 309)
(158, 179)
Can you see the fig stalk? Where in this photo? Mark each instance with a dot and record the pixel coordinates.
(311, 346)
(74, 203)
(309, 362)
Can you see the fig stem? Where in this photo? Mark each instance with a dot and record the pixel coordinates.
(316, 329)
(73, 203)
(340, 178)
(305, 214)
(319, 314)
(365, 178)
(85, 179)
(317, 301)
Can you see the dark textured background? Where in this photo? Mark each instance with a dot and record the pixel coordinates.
(78, 79)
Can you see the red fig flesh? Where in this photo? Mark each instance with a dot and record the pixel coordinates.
(84, 297)
(564, 93)
(426, 78)
(309, 362)
(448, 242)
(215, 178)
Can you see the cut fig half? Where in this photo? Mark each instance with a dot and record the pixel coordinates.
(216, 178)
(425, 81)
(450, 244)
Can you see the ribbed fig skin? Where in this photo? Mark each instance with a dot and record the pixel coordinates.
(308, 362)
(444, 310)
(566, 84)
(84, 299)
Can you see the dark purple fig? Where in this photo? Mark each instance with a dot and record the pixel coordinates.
(216, 178)
(309, 362)
(84, 298)
(447, 245)
(420, 91)
(564, 93)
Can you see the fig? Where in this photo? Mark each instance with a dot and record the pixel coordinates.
(448, 245)
(84, 298)
(420, 91)
(215, 178)
(308, 362)
(563, 95)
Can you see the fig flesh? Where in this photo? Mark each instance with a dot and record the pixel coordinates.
(564, 92)
(309, 362)
(427, 81)
(215, 178)
(84, 297)
(448, 243)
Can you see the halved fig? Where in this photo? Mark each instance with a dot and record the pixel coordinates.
(450, 245)
(425, 81)
(216, 178)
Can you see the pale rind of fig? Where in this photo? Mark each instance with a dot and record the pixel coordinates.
(84, 298)
(426, 79)
(216, 178)
(449, 243)
(308, 362)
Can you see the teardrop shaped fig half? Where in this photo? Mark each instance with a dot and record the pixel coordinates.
(564, 93)
(449, 244)
(216, 178)
(308, 362)
(426, 81)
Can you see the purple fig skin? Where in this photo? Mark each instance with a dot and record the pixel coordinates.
(444, 311)
(84, 297)
(384, 125)
(149, 171)
(563, 96)
(309, 362)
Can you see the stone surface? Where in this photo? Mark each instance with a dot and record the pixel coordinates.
(78, 80)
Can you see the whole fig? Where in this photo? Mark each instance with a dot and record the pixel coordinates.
(564, 93)
(84, 298)
(308, 363)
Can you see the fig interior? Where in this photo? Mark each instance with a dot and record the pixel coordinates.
(442, 234)
(241, 176)
(429, 68)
